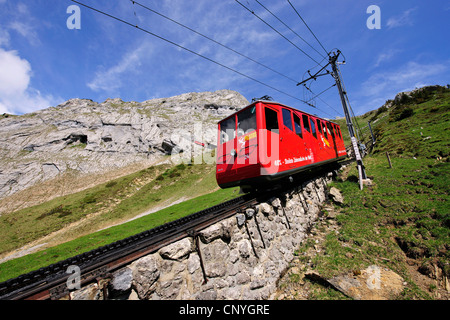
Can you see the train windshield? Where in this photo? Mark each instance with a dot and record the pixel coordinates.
(246, 121)
(227, 130)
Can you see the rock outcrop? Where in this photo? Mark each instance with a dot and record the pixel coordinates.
(84, 137)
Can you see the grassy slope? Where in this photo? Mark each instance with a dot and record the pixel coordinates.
(115, 202)
(405, 216)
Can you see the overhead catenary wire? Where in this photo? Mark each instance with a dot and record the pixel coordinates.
(318, 97)
(326, 52)
(212, 40)
(291, 30)
(189, 50)
(278, 32)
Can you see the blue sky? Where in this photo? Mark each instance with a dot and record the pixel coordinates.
(43, 63)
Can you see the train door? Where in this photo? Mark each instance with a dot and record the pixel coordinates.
(340, 141)
(246, 143)
(331, 131)
(269, 141)
(301, 156)
(326, 142)
(321, 151)
(288, 143)
(310, 137)
(226, 150)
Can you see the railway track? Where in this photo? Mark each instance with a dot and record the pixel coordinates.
(51, 282)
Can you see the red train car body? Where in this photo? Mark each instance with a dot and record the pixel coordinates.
(268, 141)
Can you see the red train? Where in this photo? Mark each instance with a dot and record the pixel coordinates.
(268, 141)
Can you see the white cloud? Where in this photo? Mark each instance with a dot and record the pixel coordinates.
(4, 37)
(16, 95)
(385, 85)
(386, 56)
(26, 30)
(404, 78)
(15, 75)
(404, 19)
(111, 79)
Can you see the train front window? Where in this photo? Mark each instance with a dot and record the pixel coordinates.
(271, 120)
(246, 121)
(227, 130)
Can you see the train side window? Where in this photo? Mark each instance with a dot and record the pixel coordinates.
(319, 128)
(324, 131)
(306, 122)
(313, 128)
(330, 129)
(227, 130)
(271, 120)
(298, 126)
(336, 129)
(246, 121)
(287, 119)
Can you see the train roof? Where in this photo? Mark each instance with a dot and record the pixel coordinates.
(278, 103)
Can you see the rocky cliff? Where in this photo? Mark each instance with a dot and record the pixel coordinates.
(84, 137)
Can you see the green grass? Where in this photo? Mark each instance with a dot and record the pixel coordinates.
(400, 215)
(106, 204)
(405, 214)
(111, 203)
(16, 267)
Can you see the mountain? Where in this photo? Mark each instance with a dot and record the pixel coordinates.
(82, 142)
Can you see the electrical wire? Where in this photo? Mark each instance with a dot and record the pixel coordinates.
(291, 30)
(326, 52)
(318, 96)
(189, 50)
(252, 12)
(212, 40)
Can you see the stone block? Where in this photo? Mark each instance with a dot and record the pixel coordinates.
(178, 250)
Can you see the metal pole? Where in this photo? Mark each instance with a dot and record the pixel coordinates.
(351, 130)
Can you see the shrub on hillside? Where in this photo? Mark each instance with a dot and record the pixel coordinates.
(400, 113)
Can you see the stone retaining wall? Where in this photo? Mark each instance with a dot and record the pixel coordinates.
(243, 256)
